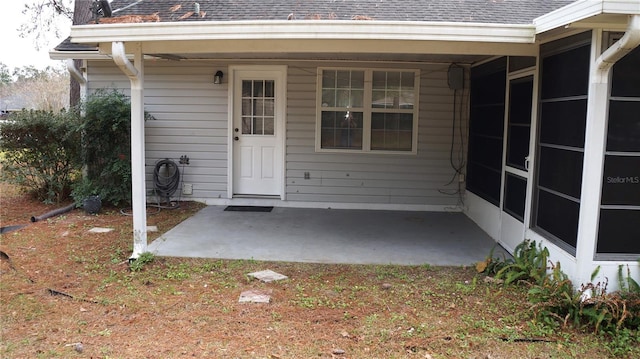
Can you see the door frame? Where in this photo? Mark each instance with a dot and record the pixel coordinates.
(509, 224)
(279, 72)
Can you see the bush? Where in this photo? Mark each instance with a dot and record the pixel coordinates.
(41, 152)
(555, 301)
(106, 148)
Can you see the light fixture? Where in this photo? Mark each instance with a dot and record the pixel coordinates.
(217, 78)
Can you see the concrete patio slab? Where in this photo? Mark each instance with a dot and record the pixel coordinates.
(328, 236)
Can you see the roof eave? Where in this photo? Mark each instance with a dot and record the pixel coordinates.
(583, 10)
(301, 30)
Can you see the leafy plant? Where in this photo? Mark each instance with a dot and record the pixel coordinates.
(106, 147)
(529, 264)
(41, 152)
(142, 260)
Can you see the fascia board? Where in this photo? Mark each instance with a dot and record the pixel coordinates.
(80, 55)
(308, 29)
(584, 9)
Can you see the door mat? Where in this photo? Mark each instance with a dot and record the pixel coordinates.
(248, 208)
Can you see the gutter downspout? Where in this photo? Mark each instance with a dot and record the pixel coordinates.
(79, 76)
(595, 143)
(135, 72)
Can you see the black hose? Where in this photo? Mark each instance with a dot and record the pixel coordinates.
(53, 213)
(166, 184)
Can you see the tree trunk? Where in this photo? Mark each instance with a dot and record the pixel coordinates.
(81, 15)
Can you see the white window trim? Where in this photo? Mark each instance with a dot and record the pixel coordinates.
(367, 110)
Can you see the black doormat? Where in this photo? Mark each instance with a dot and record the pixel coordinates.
(248, 208)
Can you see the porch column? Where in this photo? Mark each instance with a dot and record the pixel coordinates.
(595, 142)
(593, 163)
(135, 72)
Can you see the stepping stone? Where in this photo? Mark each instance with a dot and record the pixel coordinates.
(255, 296)
(100, 230)
(152, 228)
(267, 276)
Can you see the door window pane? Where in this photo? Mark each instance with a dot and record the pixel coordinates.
(515, 194)
(258, 107)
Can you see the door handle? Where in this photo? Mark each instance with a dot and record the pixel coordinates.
(526, 163)
(236, 138)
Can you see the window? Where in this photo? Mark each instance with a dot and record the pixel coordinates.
(258, 107)
(368, 110)
(561, 135)
(486, 132)
(618, 231)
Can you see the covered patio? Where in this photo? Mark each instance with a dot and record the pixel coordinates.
(329, 236)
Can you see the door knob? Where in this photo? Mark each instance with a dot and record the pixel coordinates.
(236, 138)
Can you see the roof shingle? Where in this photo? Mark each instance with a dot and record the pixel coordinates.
(478, 11)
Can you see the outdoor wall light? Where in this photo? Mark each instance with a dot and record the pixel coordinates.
(217, 78)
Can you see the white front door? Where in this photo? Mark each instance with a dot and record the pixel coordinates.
(258, 130)
(515, 162)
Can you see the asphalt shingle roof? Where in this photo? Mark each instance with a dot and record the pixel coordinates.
(479, 11)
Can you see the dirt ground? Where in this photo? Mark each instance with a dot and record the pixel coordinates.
(66, 292)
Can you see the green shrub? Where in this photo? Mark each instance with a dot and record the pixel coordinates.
(41, 152)
(556, 302)
(529, 264)
(106, 148)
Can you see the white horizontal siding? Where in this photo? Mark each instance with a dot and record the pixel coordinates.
(191, 119)
(368, 177)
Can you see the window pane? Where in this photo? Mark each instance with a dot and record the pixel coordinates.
(343, 98)
(408, 79)
(626, 75)
(328, 79)
(561, 171)
(393, 80)
(558, 216)
(391, 131)
(357, 79)
(258, 107)
(617, 232)
(269, 125)
(357, 98)
(515, 194)
(258, 89)
(407, 99)
(247, 88)
(563, 123)
(344, 79)
(621, 183)
(624, 126)
(342, 130)
(269, 107)
(257, 126)
(379, 100)
(246, 126)
(566, 74)
(328, 98)
(246, 107)
(379, 80)
(269, 88)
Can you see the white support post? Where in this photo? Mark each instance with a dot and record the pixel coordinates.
(593, 163)
(135, 72)
(595, 142)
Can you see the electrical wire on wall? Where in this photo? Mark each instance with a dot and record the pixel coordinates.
(458, 129)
